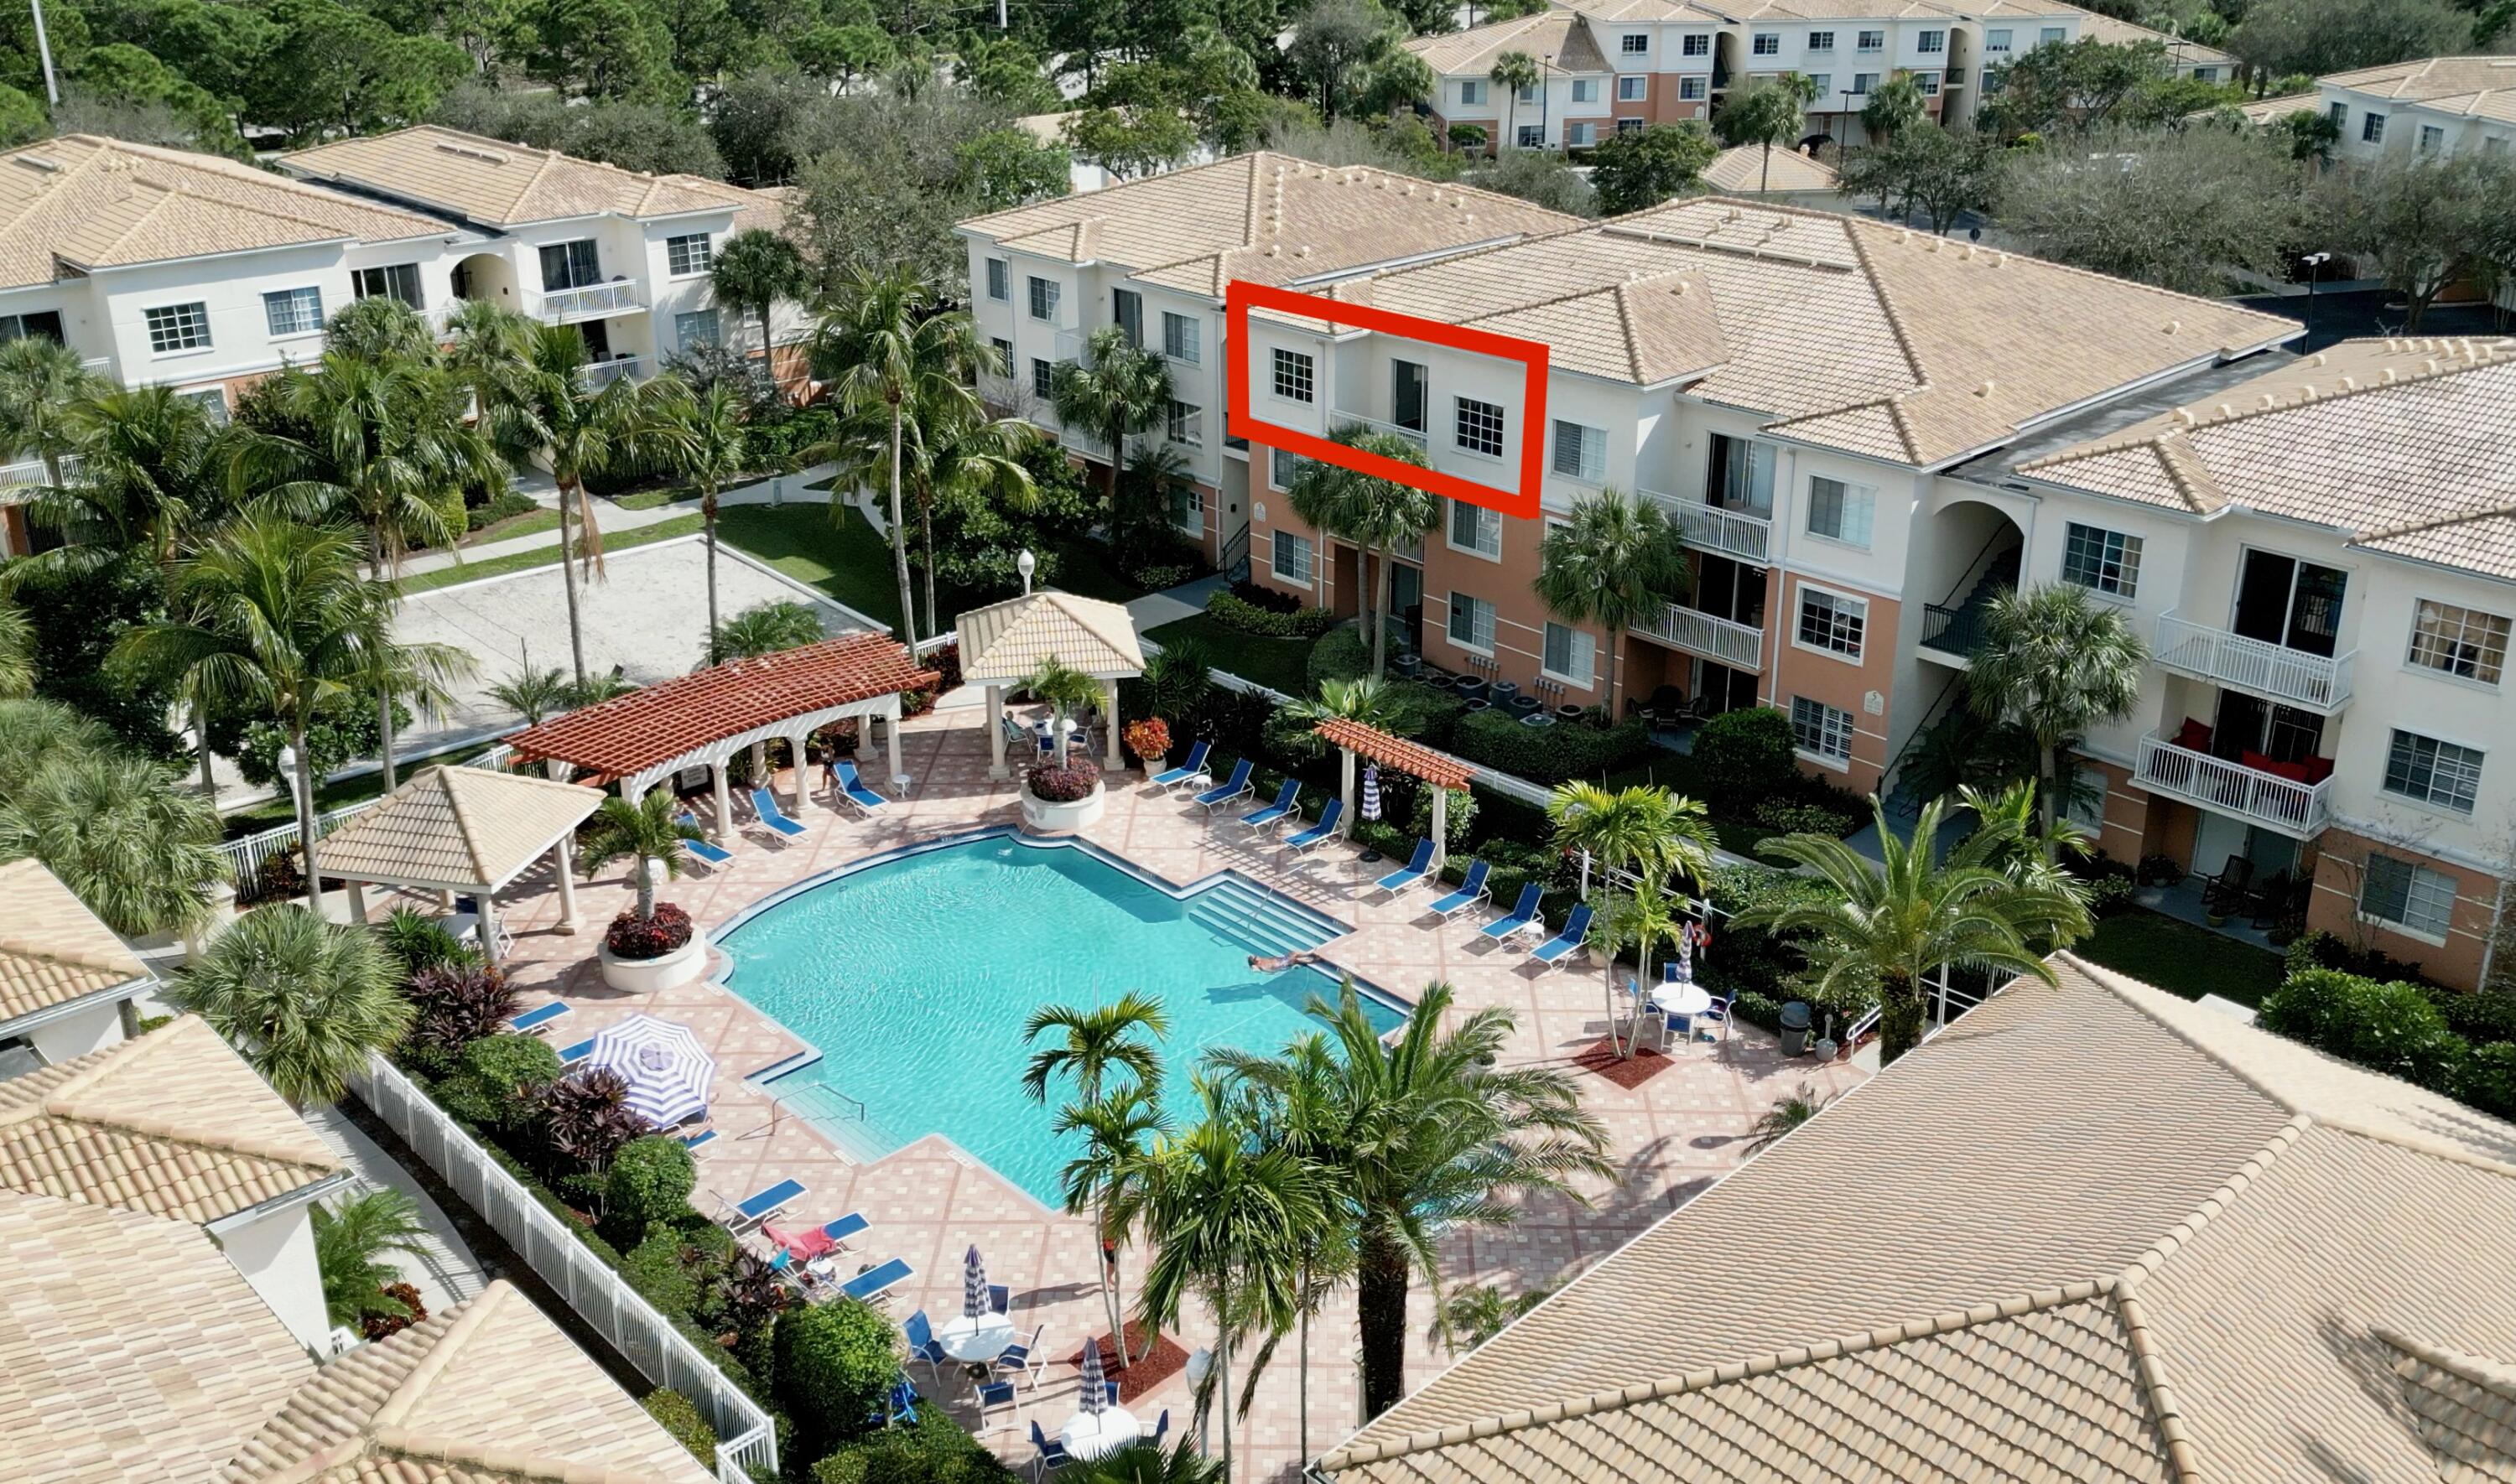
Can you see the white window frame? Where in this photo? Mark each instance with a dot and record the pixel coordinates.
(2438, 765)
(1841, 610)
(1928, 82)
(1633, 88)
(1459, 421)
(1472, 92)
(1930, 43)
(2421, 883)
(1485, 529)
(1578, 643)
(1298, 543)
(1765, 44)
(1476, 607)
(1532, 137)
(1996, 42)
(1581, 83)
(2117, 550)
(1586, 469)
(1186, 345)
(1000, 280)
(213, 400)
(1634, 44)
(1690, 90)
(292, 300)
(678, 262)
(1698, 45)
(1826, 728)
(1297, 369)
(2052, 35)
(1278, 476)
(1821, 41)
(1861, 497)
(1042, 296)
(1578, 133)
(1185, 424)
(178, 329)
(682, 333)
(2460, 627)
(2431, 141)
(1823, 82)
(1869, 41)
(2371, 129)
(1043, 377)
(1863, 84)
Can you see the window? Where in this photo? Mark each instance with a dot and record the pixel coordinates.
(1832, 623)
(213, 402)
(2051, 35)
(179, 327)
(1822, 729)
(1533, 136)
(1477, 426)
(2339, 114)
(2206, 74)
(1475, 528)
(1179, 337)
(1928, 82)
(1690, 89)
(694, 327)
(2459, 642)
(1766, 44)
(2432, 139)
(1585, 90)
(1634, 43)
(1629, 126)
(2108, 561)
(1293, 558)
(1186, 424)
(1822, 82)
(688, 256)
(1187, 505)
(1528, 95)
(1471, 622)
(1864, 82)
(1995, 43)
(44, 322)
(393, 280)
(1283, 468)
(1821, 41)
(1570, 653)
(2373, 129)
(2408, 896)
(1004, 350)
(1043, 378)
(570, 266)
(1296, 377)
(1695, 46)
(293, 312)
(1632, 90)
(1043, 299)
(2434, 772)
(1578, 135)
(1473, 93)
(1000, 280)
(1127, 312)
(1839, 511)
(2497, 144)
(1580, 453)
(1870, 41)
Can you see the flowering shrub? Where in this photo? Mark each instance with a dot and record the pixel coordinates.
(651, 939)
(1148, 738)
(945, 660)
(458, 1002)
(383, 1325)
(1075, 782)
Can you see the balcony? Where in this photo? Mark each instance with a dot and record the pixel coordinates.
(1736, 645)
(602, 373)
(1710, 528)
(27, 472)
(1414, 435)
(2309, 681)
(2283, 805)
(595, 301)
(1954, 633)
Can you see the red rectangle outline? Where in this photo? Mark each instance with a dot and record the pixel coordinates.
(1241, 296)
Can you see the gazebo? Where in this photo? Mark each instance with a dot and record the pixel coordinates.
(705, 717)
(1440, 769)
(1002, 643)
(467, 830)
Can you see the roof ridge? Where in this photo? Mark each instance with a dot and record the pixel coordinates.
(1896, 325)
(64, 1101)
(2165, 1407)
(463, 820)
(2458, 518)
(10, 944)
(2106, 979)
(2471, 1368)
(2176, 1237)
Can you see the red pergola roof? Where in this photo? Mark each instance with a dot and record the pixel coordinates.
(1396, 752)
(665, 720)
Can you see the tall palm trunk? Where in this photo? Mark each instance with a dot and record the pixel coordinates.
(1899, 1015)
(1222, 1363)
(707, 520)
(1105, 1256)
(645, 866)
(1625, 1048)
(926, 531)
(900, 537)
(303, 804)
(1380, 1313)
(2048, 783)
(568, 580)
(1379, 619)
(1302, 1371)
(384, 689)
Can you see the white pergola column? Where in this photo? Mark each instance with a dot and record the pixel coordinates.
(899, 779)
(803, 772)
(1440, 827)
(357, 902)
(720, 775)
(997, 734)
(1109, 706)
(760, 768)
(564, 863)
(1345, 778)
(489, 928)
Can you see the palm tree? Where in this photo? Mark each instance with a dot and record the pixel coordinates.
(307, 1001)
(1765, 114)
(36, 733)
(351, 1246)
(1115, 1130)
(964, 458)
(2021, 846)
(1891, 928)
(1649, 832)
(148, 480)
(1066, 690)
(765, 629)
(1512, 72)
(536, 695)
(1119, 389)
(2057, 663)
(1095, 1043)
(40, 380)
(17, 652)
(1148, 1463)
(1608, 565)
(1378, 514)
(752, 269)
(1787, 1113)
(649, 832)
(702, 436)
(120, 833)
(1894, 106)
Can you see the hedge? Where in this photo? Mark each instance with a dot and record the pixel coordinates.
(2386, 1027)
(1249, 618)
(933, 1450)
(1745, 754)
(679, 1416)
(650, 1180)
(834, 1363)
(1548, 754)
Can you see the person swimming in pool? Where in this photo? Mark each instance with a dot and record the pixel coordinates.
(1281, 962)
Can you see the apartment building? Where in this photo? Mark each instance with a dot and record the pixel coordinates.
(1153, 257)
(2439, 106)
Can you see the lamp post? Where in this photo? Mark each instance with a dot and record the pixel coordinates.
(2314, 270)
(1026, 564)
(44, 49)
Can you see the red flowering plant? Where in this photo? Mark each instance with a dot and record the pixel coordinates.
(649, 832)
(1070, 784)
(1148, 738)
(633, 937)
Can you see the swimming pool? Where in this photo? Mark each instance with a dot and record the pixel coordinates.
(915, 973)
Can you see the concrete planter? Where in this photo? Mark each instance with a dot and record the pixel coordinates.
(1041, 817)
(686, 964)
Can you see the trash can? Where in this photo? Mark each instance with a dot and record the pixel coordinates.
(1795, 1028)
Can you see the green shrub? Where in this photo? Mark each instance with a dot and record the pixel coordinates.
(1745, 754)
(1249, 618)
(2489, 1078)
(1760, 1010)
(1459, 820)
(681, 1417)
(933, 1450)
(2386, 1027)
(1755, 960)
(656, 1269)
(835, 1362)
(1341, 654)
(2108, 895)
(649, 1181)
(2322, 950)
(505, 506)
(2484, 1018)
(1547, 755)
(485, 1085)
(1787, 816)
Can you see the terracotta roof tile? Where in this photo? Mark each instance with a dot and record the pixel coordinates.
(1437, 768)
(502, 185)
(53, 950)
(458, 826)
(1007, 640)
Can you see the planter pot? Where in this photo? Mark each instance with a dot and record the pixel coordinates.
(1154, 766)
(2215, 919)
(686, 964)
(1042, 818)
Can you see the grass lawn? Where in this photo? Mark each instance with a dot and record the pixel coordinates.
(1282, 664)
(843, 558)
(529, 523)
(1084, 569)
(649, 499)
(2182, 959)
(542, 557)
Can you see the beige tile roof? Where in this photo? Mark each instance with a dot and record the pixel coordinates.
(1560, 36)
(2472, 87)
(2403, 444)
(2263, 110)
(53, 950)
(172, 1122)
(458, 826)
(93, 202)
(1738, 171)
(130, 1351)
(1265, 217)
(1646, 10)
(489, 1390)
(501, 184)
(1007, 640)
(2096, 26)
(2092, 1232)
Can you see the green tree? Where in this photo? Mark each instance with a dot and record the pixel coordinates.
(2426, 223)
(2181, 210)
(832, 1363)
(148, 481)
(2057, 663)
(2318, 37)
(1009, 167)
(536, 695)
(1766, 114)
(34, 732)
(1543, 177)
(41, 382)
(649, 832)
(1116, 1129)
(1942, 172)
(121, 832)
(1333, 42)
(16, 653)
(1894, 107)
(1787, 1114)
(1512, 72)
(754, 268)
(2081, 84)
(1647, 832)
(306, 1002)
(1376, 514)
(1130, 141)
(1650, 165)
(843, 54)
(1148, 1463)
(604, 49)
(1092, 1045)
(966, 458)
(353, 1247)
(1608, 565)
(1118, 388)
(764, 629)
(702, 434)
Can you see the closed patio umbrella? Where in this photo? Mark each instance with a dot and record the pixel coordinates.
(1096, 1388)
(1370, 792)
(973, 1284)
(668, 1073)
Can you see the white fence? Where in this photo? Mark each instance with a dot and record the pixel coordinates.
(246, 853)
(599, 1294)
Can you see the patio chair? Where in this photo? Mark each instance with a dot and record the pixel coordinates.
(1577, 929)
(1418, 870)
(1161, 1427)
(2225, 892)
(699, 1141)
(898, 1404)
(1191, 771)
(1321, 833)
(1016, 1357)
(876, 1282)
(572, 1054)
(852, 788)
(1000, 1297)
(764, 807)
(1521, 917)
(1472, 890)
(919, 1331)
(538, 1017)
(1234, 786)
(999, 1394)
(705, 853)
(758, 1206)
(1111, 1388)
(1287, 806)
(1052, 1453)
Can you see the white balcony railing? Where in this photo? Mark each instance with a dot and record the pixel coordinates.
(602, 373)
(2313, 682)
(1414, 435)
(1736, 645)
(2285, 805)
(595, 301)
(1710, 528)
(32, 471)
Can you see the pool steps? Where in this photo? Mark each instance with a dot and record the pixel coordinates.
(1258, 919)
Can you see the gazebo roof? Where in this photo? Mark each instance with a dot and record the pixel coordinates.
(1436, 769)
(1007, 640)
(646, 728)
(457, 827)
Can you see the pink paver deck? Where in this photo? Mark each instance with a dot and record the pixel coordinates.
(1671, 1137)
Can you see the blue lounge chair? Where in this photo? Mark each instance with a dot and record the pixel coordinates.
(765, 805)
(1234, 786)
(1418, 869)
(1052, 1453)
(1521, 917)
(871, 1284)
(853, 789)
(919, 1331)
(572, 1054)
(699, 1141)
(844, 1227)
(1576, 929)
(1286, 806)
(759, 1207)
(1190, 771)
(535, 1018)
(1472, 890)
(706, 853)
(1321, 833)
(898, 1404)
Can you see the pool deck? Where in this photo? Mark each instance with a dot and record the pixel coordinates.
(1670, 1136)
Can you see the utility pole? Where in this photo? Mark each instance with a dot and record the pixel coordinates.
(44, 49)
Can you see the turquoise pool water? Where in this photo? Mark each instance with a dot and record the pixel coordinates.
(914, 976)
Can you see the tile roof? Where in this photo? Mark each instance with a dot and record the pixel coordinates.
(2113, 30)
(487, 1390)
(2471, 87)
(91, 202)
(1560, 37)
(1738, 171)
(1437, 768)
(2263, 110)
(501, 184)
(131, 1349)
(1008, 641)
(53, 950)
(2400, 444)
(2266, 1264)
(1265, 217)
(457, 827)
(172, 1122)
(1645, 10)
(667, 720)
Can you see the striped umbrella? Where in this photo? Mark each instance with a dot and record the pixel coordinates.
(973, 1284)
(1370, 792)
(668, 1073)
(1096, 1388)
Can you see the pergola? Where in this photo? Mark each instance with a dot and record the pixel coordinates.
(705, 717)
(1442, 771)
(1003, 643)
(469, 830)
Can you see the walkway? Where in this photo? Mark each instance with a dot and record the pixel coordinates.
(443, 1269)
